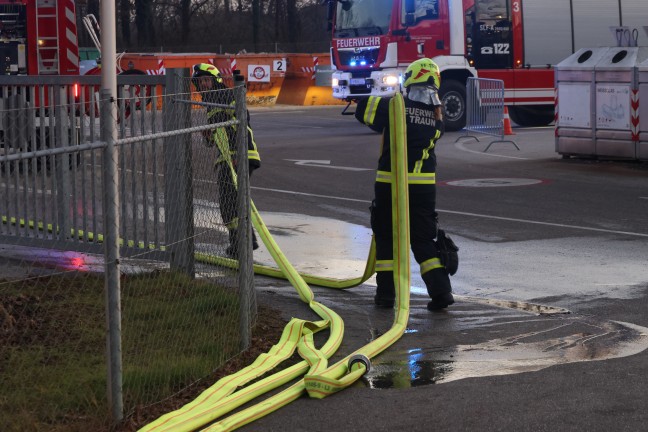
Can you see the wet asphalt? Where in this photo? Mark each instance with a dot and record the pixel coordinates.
(550, 329)
(550, 326)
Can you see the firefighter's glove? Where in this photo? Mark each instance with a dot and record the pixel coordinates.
(440, 127)
(448, 252)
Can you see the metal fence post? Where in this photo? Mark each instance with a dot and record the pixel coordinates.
(111, 242)
(62, 164)
(178, 175)
(246, 281)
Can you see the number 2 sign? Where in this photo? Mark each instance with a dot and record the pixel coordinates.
(279, 65)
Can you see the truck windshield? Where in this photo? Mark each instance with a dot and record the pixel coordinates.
(362, 18)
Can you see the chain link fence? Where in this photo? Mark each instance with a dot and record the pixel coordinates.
(173, 295)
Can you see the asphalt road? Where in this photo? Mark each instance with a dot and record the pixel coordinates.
(533, 228)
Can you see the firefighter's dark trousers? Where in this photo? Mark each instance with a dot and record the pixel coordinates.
(423, 220)
(228, 202)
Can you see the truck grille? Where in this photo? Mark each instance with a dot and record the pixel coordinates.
(360, 89)
(368, 55)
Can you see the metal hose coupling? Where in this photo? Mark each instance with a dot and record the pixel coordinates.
(360, 358)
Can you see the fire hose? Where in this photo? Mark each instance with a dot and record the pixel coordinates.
(319, 378)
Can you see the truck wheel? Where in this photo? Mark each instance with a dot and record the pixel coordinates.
(453, 98)
(530, 115)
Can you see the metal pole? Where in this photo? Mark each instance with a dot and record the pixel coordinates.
(246, 282)
(62, 164)
(178, 175)
(111, 206)
(111, 253)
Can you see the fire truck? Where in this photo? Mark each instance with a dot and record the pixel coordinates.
(517, 41)
(38, 37)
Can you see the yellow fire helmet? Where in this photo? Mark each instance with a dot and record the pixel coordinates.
(206, 69)
(421, 72)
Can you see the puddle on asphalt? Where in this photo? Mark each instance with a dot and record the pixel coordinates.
(58, 260)
(519, 305)
(576, 339)
(317, 245)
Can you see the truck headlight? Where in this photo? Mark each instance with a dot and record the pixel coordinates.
(335, 82)
(390, 80)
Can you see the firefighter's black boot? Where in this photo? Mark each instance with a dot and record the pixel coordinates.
(440, 302)
(385, 292)
(439, 288)
(232, 249)
(255, 243)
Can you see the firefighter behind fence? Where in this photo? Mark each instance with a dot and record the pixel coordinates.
(424, 122)
(209, 82)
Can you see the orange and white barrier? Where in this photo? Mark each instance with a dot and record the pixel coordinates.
(270, 78)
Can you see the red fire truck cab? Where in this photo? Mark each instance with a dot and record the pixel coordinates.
(517, 41)
(38, 37)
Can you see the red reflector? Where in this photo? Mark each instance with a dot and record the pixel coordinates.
(76, 90)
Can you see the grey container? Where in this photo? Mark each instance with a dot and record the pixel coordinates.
(616, 102)
(642, 81)
(575, 104)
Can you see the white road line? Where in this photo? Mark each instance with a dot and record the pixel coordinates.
(309, 194)
(544, 223)
(292, 125)
(460, 145)
(633, 234)
(275, 112)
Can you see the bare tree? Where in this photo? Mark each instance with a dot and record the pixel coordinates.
(144, 22)
(124, 18)
(256, 23)
(291, 20)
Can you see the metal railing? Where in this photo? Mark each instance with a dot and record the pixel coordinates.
(50, 146)
(58, 201)
(485, 110)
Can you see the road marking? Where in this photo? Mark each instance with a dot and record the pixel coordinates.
(633, 234)
(460, 145)
(544, 223)
(325, 164)
(309, 194)
(493, 182)
(292, 125)
(259, 111)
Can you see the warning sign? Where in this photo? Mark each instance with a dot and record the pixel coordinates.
(258, 73)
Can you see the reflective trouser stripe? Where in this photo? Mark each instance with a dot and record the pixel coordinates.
(421, 178)
(383, 177)
(384, 265)
(372, 108)
(418, 166)
(431, 264)
(253, 154)
(412, 178)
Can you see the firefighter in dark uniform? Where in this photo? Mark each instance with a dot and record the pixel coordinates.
(424, 120)
(209, 82)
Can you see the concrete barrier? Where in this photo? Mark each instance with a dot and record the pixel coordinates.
(270, 78)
